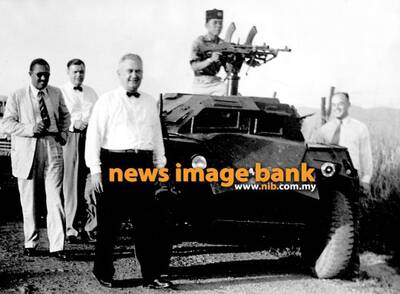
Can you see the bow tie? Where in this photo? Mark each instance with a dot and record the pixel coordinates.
(135, 94)
(78, 88)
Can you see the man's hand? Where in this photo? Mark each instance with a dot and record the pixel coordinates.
(80, 125)
(61, 138)
(97, 183)
(215, 56)
(38, 128)
(365, 188)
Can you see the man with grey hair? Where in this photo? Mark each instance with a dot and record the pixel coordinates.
(350, 133)
(125, 132)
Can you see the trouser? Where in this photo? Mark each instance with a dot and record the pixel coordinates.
(136, 199)
(209, 85)
(47, 166)
(77, 187)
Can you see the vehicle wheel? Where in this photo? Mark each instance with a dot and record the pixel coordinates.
(329, 244)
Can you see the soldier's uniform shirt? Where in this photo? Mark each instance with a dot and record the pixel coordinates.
(197, 54)
(206, 80)
(120, 122)
(354, 136)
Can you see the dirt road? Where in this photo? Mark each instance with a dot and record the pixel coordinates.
(195, 268)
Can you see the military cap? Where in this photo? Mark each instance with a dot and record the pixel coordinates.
(214, 14)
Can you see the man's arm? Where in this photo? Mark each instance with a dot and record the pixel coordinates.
(95, 135)
(199, 65)
(11, 124)
(94, 139)
(64, 120)
(196, 62)
(366, 157)
(64, 115)
(159, 158)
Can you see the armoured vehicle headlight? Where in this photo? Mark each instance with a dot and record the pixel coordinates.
(199, 161)
(328, 169)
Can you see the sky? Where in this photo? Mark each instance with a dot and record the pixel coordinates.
(353, 45)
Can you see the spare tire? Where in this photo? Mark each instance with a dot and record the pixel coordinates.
(329, 245)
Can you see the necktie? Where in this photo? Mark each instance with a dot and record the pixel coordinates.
(43, 110)
(135, 94)
(336, 134)
(78, 88)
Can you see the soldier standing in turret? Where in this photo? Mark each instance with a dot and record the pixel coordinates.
(206, 67)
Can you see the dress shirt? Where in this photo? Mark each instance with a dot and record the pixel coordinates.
(79, 104)
(119, 122)
(197, 54)
(33, 94)
(354, 136)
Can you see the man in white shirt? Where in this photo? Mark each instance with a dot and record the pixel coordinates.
(80, 100)
(125, 132)
(36, 118)
(350, 133)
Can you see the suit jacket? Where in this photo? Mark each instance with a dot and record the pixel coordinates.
(19, 121)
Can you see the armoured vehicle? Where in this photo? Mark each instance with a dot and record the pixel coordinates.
(235, 132)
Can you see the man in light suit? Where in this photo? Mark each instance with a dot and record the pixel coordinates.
(37, 119)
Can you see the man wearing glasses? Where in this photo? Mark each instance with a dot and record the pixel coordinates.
(37, 119)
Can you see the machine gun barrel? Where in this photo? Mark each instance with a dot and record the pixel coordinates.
(245, 49)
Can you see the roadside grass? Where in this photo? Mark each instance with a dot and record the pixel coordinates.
(380, 210)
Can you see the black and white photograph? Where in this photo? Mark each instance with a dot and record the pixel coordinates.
(192, 147)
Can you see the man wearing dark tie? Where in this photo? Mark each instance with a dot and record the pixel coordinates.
(37, 120)
(80, 100)
(350, 133)
(125, 132)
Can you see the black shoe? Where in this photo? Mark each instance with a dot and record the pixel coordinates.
(30, 252)
(159, 283)
(106, 282)
(72, 239)
(59, 255)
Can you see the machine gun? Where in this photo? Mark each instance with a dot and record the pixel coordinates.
(249, 52)
(234, 55)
